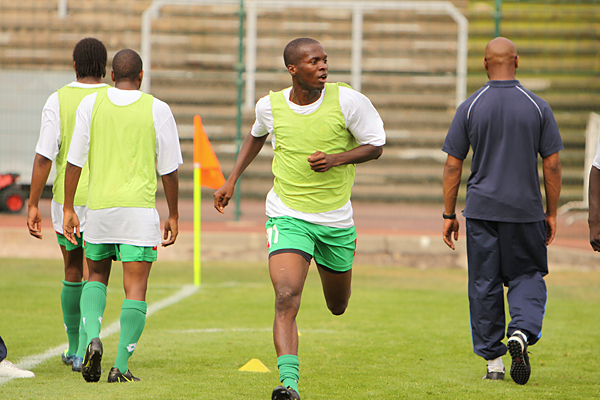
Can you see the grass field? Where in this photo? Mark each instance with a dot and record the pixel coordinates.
(405, 336)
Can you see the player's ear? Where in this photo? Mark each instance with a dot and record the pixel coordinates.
(485, 64)
(516, 62)
(292, 69)
(75, 67)
(112, 76)
(141, 77)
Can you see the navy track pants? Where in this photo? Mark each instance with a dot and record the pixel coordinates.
(512, 255)
(2, 349)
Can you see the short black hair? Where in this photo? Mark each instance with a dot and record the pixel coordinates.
(127, 65)
(292, 50)
(89, 55)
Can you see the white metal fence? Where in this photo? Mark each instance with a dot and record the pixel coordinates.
(357, 9)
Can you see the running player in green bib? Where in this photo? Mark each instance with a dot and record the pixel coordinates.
(121, 133)
(319, 132)
(58, 121)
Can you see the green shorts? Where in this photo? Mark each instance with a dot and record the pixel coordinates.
(332, 248)
(62, 240)
(119, 252)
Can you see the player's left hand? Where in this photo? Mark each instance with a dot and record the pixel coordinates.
(172, 227)
(321, 162)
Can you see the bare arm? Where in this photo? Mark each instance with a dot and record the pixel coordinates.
(171, 187)
(71, 221)
(552, 184)
(451, 184)
(594, 208)
(39, 177)
(248, 152)
(321, 162)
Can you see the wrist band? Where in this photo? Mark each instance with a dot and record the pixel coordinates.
(451, 216)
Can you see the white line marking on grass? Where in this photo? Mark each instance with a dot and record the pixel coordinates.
(185, 291)
(33, 361)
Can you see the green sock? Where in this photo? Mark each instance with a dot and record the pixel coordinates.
(93, 303)
(69, 299)
(83, 342)
(289, 374)
(133, 320)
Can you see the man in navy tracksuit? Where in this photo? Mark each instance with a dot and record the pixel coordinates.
(506, 126)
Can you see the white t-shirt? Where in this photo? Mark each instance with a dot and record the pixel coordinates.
(48, 145)
(596, 162)
(362, 121)
(127, 225)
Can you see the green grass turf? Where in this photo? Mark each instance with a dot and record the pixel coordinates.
(405, 335)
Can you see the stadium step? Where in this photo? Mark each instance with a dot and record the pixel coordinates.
(195, 59)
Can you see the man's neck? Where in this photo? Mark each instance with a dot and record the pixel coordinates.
(304, 97)
(127, 85)
(502, 75)
(90, 80)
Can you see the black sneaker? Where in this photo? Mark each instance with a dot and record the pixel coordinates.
(494, 375)
(283, 393)
(91, 369)
(116, 376)
(520, 368)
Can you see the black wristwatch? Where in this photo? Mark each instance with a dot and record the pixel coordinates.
(451, 216)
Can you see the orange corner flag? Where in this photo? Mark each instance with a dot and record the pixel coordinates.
(205, 158)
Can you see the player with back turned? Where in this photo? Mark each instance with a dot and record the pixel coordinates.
(58, 121)
(320, 131)
(125, 136)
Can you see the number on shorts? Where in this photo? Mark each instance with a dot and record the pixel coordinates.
(272, 235)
